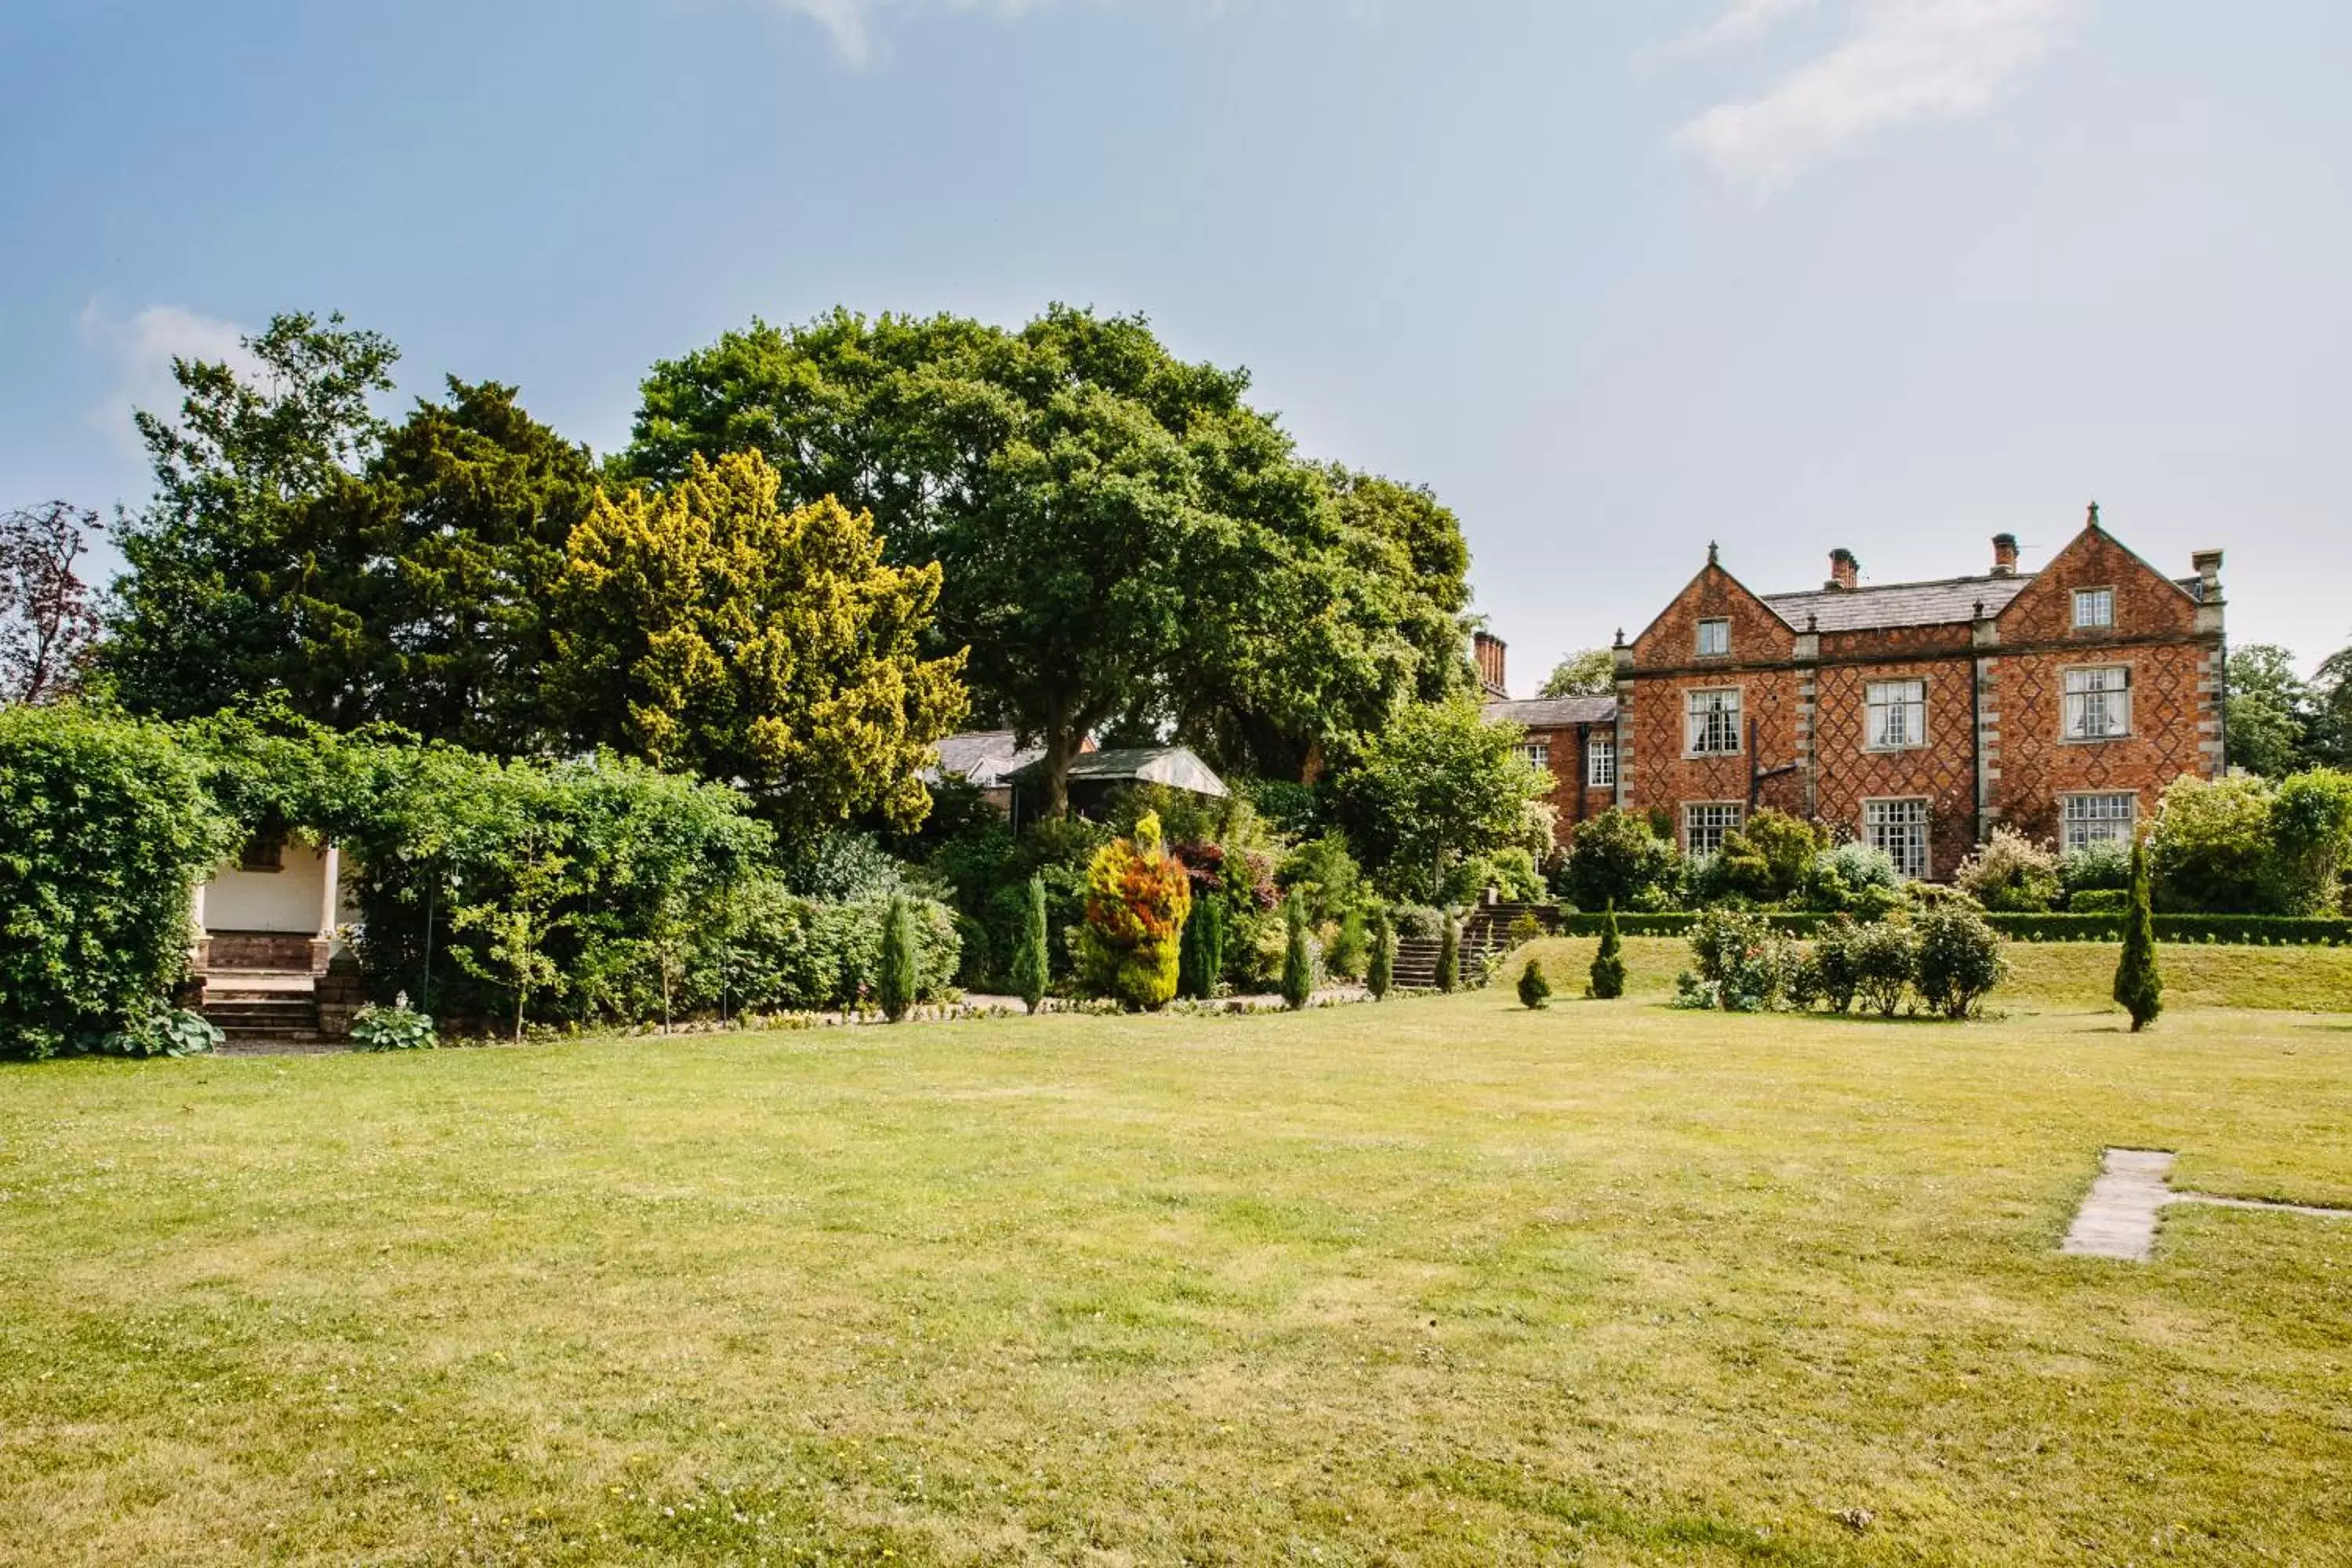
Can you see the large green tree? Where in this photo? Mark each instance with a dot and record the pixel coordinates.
(2331, 721)
(2270, 712)
(1438, 786)
(216, 602)
(1126, 541)
(1592, 673)
(432, 575)
(372, 573)
(702, 627)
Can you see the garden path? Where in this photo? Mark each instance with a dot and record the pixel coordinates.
(2118, 1217)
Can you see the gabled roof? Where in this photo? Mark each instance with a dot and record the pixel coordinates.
(983, 758)
(1555, 712)
(1878, 607)
(1175, 766)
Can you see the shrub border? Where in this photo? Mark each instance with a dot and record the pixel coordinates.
(2236, 930)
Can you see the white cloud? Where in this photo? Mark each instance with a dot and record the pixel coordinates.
(1743, 22)
(849, 23)
(142, 348)
(1905, 61)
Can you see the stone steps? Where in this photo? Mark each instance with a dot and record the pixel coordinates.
(260, 1012)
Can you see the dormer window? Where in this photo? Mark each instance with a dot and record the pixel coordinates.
(2095, 609)
(1713, 639)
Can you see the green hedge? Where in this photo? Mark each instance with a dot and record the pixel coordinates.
(2245, 930)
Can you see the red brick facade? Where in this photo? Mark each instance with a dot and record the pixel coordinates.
(1972, 725)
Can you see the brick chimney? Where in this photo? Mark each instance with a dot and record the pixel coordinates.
(2005, 555)
(1845, 572)
(1490, 652)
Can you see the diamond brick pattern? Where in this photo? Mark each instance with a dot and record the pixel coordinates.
(1995, 701)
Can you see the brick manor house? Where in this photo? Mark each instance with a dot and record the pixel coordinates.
(1914, 716)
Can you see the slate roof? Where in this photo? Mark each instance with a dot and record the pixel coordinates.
(983, 758)
(1555, 712)
(1879, 607)
(1176, 767)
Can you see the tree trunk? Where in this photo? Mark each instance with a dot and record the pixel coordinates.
(1062, 743)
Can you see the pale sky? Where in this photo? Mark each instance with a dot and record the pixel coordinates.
(1615, 277)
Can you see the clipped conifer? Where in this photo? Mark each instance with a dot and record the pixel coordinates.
(2140, 985)
(1298, 956)
(1200, 960)
(1535, 991)
(1609, 967)
(1031, 965)
(1380, 975)
(1449, 955)
(896, 982)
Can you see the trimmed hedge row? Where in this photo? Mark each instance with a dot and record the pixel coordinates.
(2237, 931)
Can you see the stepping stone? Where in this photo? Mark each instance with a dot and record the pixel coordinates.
(2119, 1218)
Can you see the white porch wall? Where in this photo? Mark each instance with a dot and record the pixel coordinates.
(285, 903)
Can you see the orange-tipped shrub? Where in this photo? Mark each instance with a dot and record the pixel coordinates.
(1137, 898)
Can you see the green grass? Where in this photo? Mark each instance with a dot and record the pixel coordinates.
(1439, 1281)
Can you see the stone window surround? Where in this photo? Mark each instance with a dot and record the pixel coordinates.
(1926, 831)
(1919, 744)
(2130, 731)
(1734, 823)
(1600, 762)
(2131, 824)
(1738, 717)
(2075, 609)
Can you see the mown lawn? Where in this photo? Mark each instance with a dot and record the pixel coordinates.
(1439, 1281)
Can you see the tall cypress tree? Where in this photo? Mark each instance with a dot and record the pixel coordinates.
(1031, 965)
(1297, 958)
(2139, 986)
(1201, 961)
(1609, 967)
(897, 981)
(1381, 977)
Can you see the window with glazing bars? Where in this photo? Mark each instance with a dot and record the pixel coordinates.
(1900, 828)
(1600, 762)
(2091, 819)
(2098, 703)
(1705, 826)
(1713, 722)
(1898, 714)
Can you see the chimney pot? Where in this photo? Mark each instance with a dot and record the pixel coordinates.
(1492, 653)
(2005, 555)
(1845, 572)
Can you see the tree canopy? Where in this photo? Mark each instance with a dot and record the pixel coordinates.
(1125, 539)
(220, 600)
(47, 616)
(1440, 786)
(1590, 673)
(703, 628)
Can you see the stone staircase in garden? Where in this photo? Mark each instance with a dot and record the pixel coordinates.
(263, 1010)
(1486, 932)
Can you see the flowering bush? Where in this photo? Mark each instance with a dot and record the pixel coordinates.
(2011, 873)
(1885, 957)
(1959, 961)
(1137, 898)
(1745, 960)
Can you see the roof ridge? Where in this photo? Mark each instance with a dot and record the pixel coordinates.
(2018, 577)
